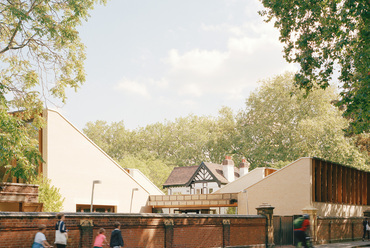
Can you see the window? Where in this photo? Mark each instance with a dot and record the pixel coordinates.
(96, 208)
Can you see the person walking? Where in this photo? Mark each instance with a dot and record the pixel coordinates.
(116, 240)
(366, 225)
(100, 239)
(301, 226)
(61, 234)
(40, 239)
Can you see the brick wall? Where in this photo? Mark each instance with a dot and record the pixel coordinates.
(18, 192)
(334, 229)
(139, 230)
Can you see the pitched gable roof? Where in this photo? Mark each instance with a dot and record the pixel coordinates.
(216, 169)
(182, 176)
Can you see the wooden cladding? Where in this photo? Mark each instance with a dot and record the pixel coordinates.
(335, 183)
(269, 171)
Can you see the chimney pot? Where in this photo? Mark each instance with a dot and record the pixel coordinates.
(228, 168)
(243, 167)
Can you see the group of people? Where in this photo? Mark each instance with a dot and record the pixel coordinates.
(116, 240)
(61, 236)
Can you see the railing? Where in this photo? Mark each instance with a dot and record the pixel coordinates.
(202, 200)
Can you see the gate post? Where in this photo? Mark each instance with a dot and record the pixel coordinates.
(86, 233)
(168, 233)
(268, 211)
(225, 232)
(312, 212)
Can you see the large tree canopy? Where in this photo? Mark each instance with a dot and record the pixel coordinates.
(280, 125)
(323, 36)
(41, 55)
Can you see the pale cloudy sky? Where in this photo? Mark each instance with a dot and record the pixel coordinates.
(150, 60)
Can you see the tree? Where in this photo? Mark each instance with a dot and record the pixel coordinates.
(323, 36)
(281, 125)
(114, 139)
(224, 138)
(156, 170)
(41, 55)
(48, 195)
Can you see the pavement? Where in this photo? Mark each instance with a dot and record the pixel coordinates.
(360, 243)
(351, 244)
(346, 244)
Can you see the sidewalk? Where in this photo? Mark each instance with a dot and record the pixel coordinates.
(346, 244)
(350, 244)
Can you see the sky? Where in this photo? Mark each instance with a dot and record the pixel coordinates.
(149, 61)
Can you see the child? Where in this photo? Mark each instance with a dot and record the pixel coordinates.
(100, 239)
(40, 239)
(116, 240)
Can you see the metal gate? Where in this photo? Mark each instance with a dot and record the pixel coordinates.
(283, 230)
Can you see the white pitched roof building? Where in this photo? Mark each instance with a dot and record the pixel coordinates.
(73, 162)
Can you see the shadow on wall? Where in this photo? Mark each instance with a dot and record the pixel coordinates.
(337, 229)
(340, 210)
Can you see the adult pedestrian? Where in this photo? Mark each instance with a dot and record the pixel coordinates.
(366, 225)
(116, 240)
(301, 226)
(40, 239)
(61, 234)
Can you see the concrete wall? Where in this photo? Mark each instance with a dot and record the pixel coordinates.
(73, 162)
(243, 182)
(138, 230)
(288, 190)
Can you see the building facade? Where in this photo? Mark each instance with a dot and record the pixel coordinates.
(203, 179)
(310, 183)
(85, 175)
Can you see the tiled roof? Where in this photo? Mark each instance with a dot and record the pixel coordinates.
(180, 176)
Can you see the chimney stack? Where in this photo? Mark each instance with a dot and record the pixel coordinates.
(228, 169)
(244, 167)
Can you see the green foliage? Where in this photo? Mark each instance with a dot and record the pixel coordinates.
(40, 56)
(156, 170)
(113, 139)
(280, 124)
(49, 195)
(231, 210)
(19, 144)
(324, 36)
(158, 147)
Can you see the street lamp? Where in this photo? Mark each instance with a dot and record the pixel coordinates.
(92, 193)
(132, 196)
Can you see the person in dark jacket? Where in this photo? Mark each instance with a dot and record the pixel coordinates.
(365, 223)
(116, 240)
(61, 235)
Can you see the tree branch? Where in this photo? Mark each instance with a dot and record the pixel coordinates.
(11, 41)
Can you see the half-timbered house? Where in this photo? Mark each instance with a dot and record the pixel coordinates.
(203, 179)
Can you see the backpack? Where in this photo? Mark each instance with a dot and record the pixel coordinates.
(297, 223)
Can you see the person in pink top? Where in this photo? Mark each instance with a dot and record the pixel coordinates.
(100, 239)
